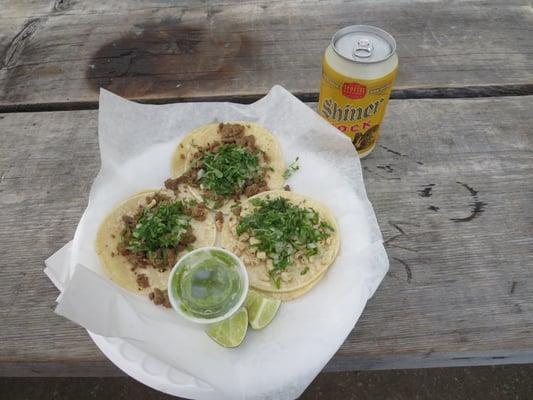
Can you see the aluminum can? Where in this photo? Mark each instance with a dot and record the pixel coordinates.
(358, 70)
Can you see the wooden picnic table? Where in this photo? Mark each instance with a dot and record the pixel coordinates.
(451, 180)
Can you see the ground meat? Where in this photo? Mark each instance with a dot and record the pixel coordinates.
(234, 133)
(187, 178)
(217, 201)
(251, 190)
(171, 257)
(199, 212)
(137, 260)
(230, 132)
(149, 199)
(213, 147)
(287, 188)
(128, 220)
(187, 238)
(158, 197)
(160, 298)
(142, 281)
(219, 220)
(173, 184)
(236, 210)
(213, 197)
(248, 142)
(160, 259)
(255, 188)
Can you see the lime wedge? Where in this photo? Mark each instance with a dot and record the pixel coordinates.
(261, 309)
(231, 331)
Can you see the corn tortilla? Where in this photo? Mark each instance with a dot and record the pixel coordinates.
(204, 135)
(117, 267)
(293, 282)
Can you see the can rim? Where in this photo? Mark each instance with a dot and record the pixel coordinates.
(368, 28)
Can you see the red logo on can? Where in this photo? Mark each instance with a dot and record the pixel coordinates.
(353, 90)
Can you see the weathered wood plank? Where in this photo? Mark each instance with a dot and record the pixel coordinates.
(451, 183)
(22, 9)
(160, 52)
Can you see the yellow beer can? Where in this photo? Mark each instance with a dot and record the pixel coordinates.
(358, 70)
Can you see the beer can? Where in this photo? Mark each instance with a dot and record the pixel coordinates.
(358, 70)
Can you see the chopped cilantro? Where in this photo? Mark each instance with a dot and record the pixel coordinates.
(228, 170)
(159, 227)
(291, 169)
(304, 271)
(283, 229)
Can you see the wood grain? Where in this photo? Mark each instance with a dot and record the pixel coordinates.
(61, 52)
(459, 287)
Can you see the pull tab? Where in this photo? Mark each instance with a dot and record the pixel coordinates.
(363, 48)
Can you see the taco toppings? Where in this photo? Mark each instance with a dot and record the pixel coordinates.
(226, 162)
(154, 235)
(283, 232)
(140, 241)
(226, 168)
(286, 240)
(227, 177)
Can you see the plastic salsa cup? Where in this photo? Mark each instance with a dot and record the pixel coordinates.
(208, 285)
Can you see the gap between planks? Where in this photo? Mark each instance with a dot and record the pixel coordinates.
(398, 94)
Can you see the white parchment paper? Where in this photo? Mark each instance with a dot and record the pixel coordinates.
(280, 361)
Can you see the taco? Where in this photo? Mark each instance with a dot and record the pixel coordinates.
(223, 164)
(142, 238)
(287, 296)
(286, 240)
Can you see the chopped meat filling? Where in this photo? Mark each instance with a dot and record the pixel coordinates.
(189, 178)
(198, 212)
(252, 189)
(160, 298)
(230, 132)
(255, 188)
(188, 238)
(142, 281)
(248, 142)
(162, 258)
(158, 197)
(128, 220)
(171, 257)
(213, 146)
(219, 220)
(137, 260)
(234, 133)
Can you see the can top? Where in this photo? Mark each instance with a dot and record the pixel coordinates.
(363, 43)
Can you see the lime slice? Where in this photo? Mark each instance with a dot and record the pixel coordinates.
(231, 331)
(261, 309)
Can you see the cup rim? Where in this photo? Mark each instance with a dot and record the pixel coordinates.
(176, 303)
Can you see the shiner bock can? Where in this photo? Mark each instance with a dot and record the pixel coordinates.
(358, 70)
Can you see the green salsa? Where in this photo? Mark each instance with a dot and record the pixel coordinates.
(208, 284)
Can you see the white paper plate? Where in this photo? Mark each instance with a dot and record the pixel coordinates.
(127, 357)
(359, 268)
(151, 371)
